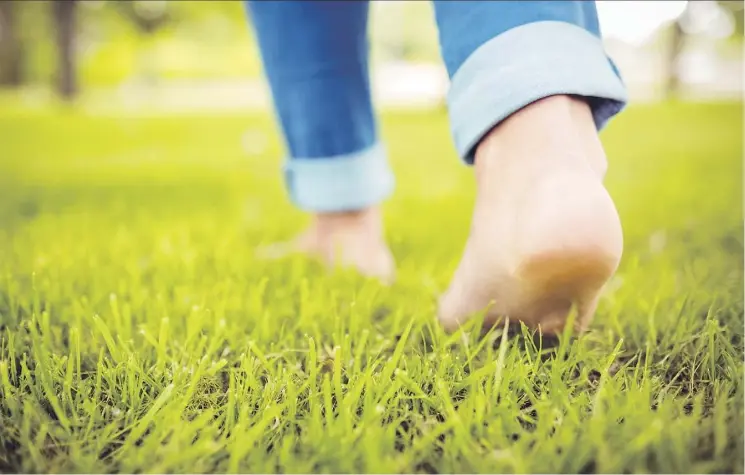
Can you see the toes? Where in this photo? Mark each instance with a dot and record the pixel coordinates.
(301, 244)
(450, 311)
(278, 250)
(376, 264)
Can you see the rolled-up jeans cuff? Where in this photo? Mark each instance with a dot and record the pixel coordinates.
(525, 64)
(340, 183)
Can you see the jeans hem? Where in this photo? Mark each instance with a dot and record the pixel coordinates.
(525, 64)
(340, 183)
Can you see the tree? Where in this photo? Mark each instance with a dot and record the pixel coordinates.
(677, 41)
(147, 15)
(735, 8)
(64, 13)
(680, 34)
(11, 50)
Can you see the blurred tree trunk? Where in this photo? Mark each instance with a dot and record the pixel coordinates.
(672, 84)
(11, 49)
(148, 16)
(675, 49)
(735, 8)
(64, 12)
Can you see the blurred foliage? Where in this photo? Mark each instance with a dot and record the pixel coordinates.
(404, 31)
(737, 9)
(118, 40)
(149, 40)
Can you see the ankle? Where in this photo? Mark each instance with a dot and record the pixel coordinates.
(367, 220)
(555, 133)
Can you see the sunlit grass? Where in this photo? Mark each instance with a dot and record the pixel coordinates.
(139, 333)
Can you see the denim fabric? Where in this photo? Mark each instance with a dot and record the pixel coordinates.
(500, 56)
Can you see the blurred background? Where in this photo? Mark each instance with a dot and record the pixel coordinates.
(116, 56)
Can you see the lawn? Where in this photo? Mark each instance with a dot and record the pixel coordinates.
(139, 333)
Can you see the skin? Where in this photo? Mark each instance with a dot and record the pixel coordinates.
(545, 234)
(349, 239)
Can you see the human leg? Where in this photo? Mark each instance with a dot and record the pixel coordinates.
(531, 86)
(315, 56)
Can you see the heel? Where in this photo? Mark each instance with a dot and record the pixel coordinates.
(556, 281)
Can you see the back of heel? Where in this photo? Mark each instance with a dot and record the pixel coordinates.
(575, 247)
(554, 282)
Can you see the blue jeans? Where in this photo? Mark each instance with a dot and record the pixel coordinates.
(500, 56)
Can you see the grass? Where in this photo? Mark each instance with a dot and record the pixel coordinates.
(139, 334)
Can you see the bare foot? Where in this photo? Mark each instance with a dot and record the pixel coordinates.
(347, 239)
(545, 233)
